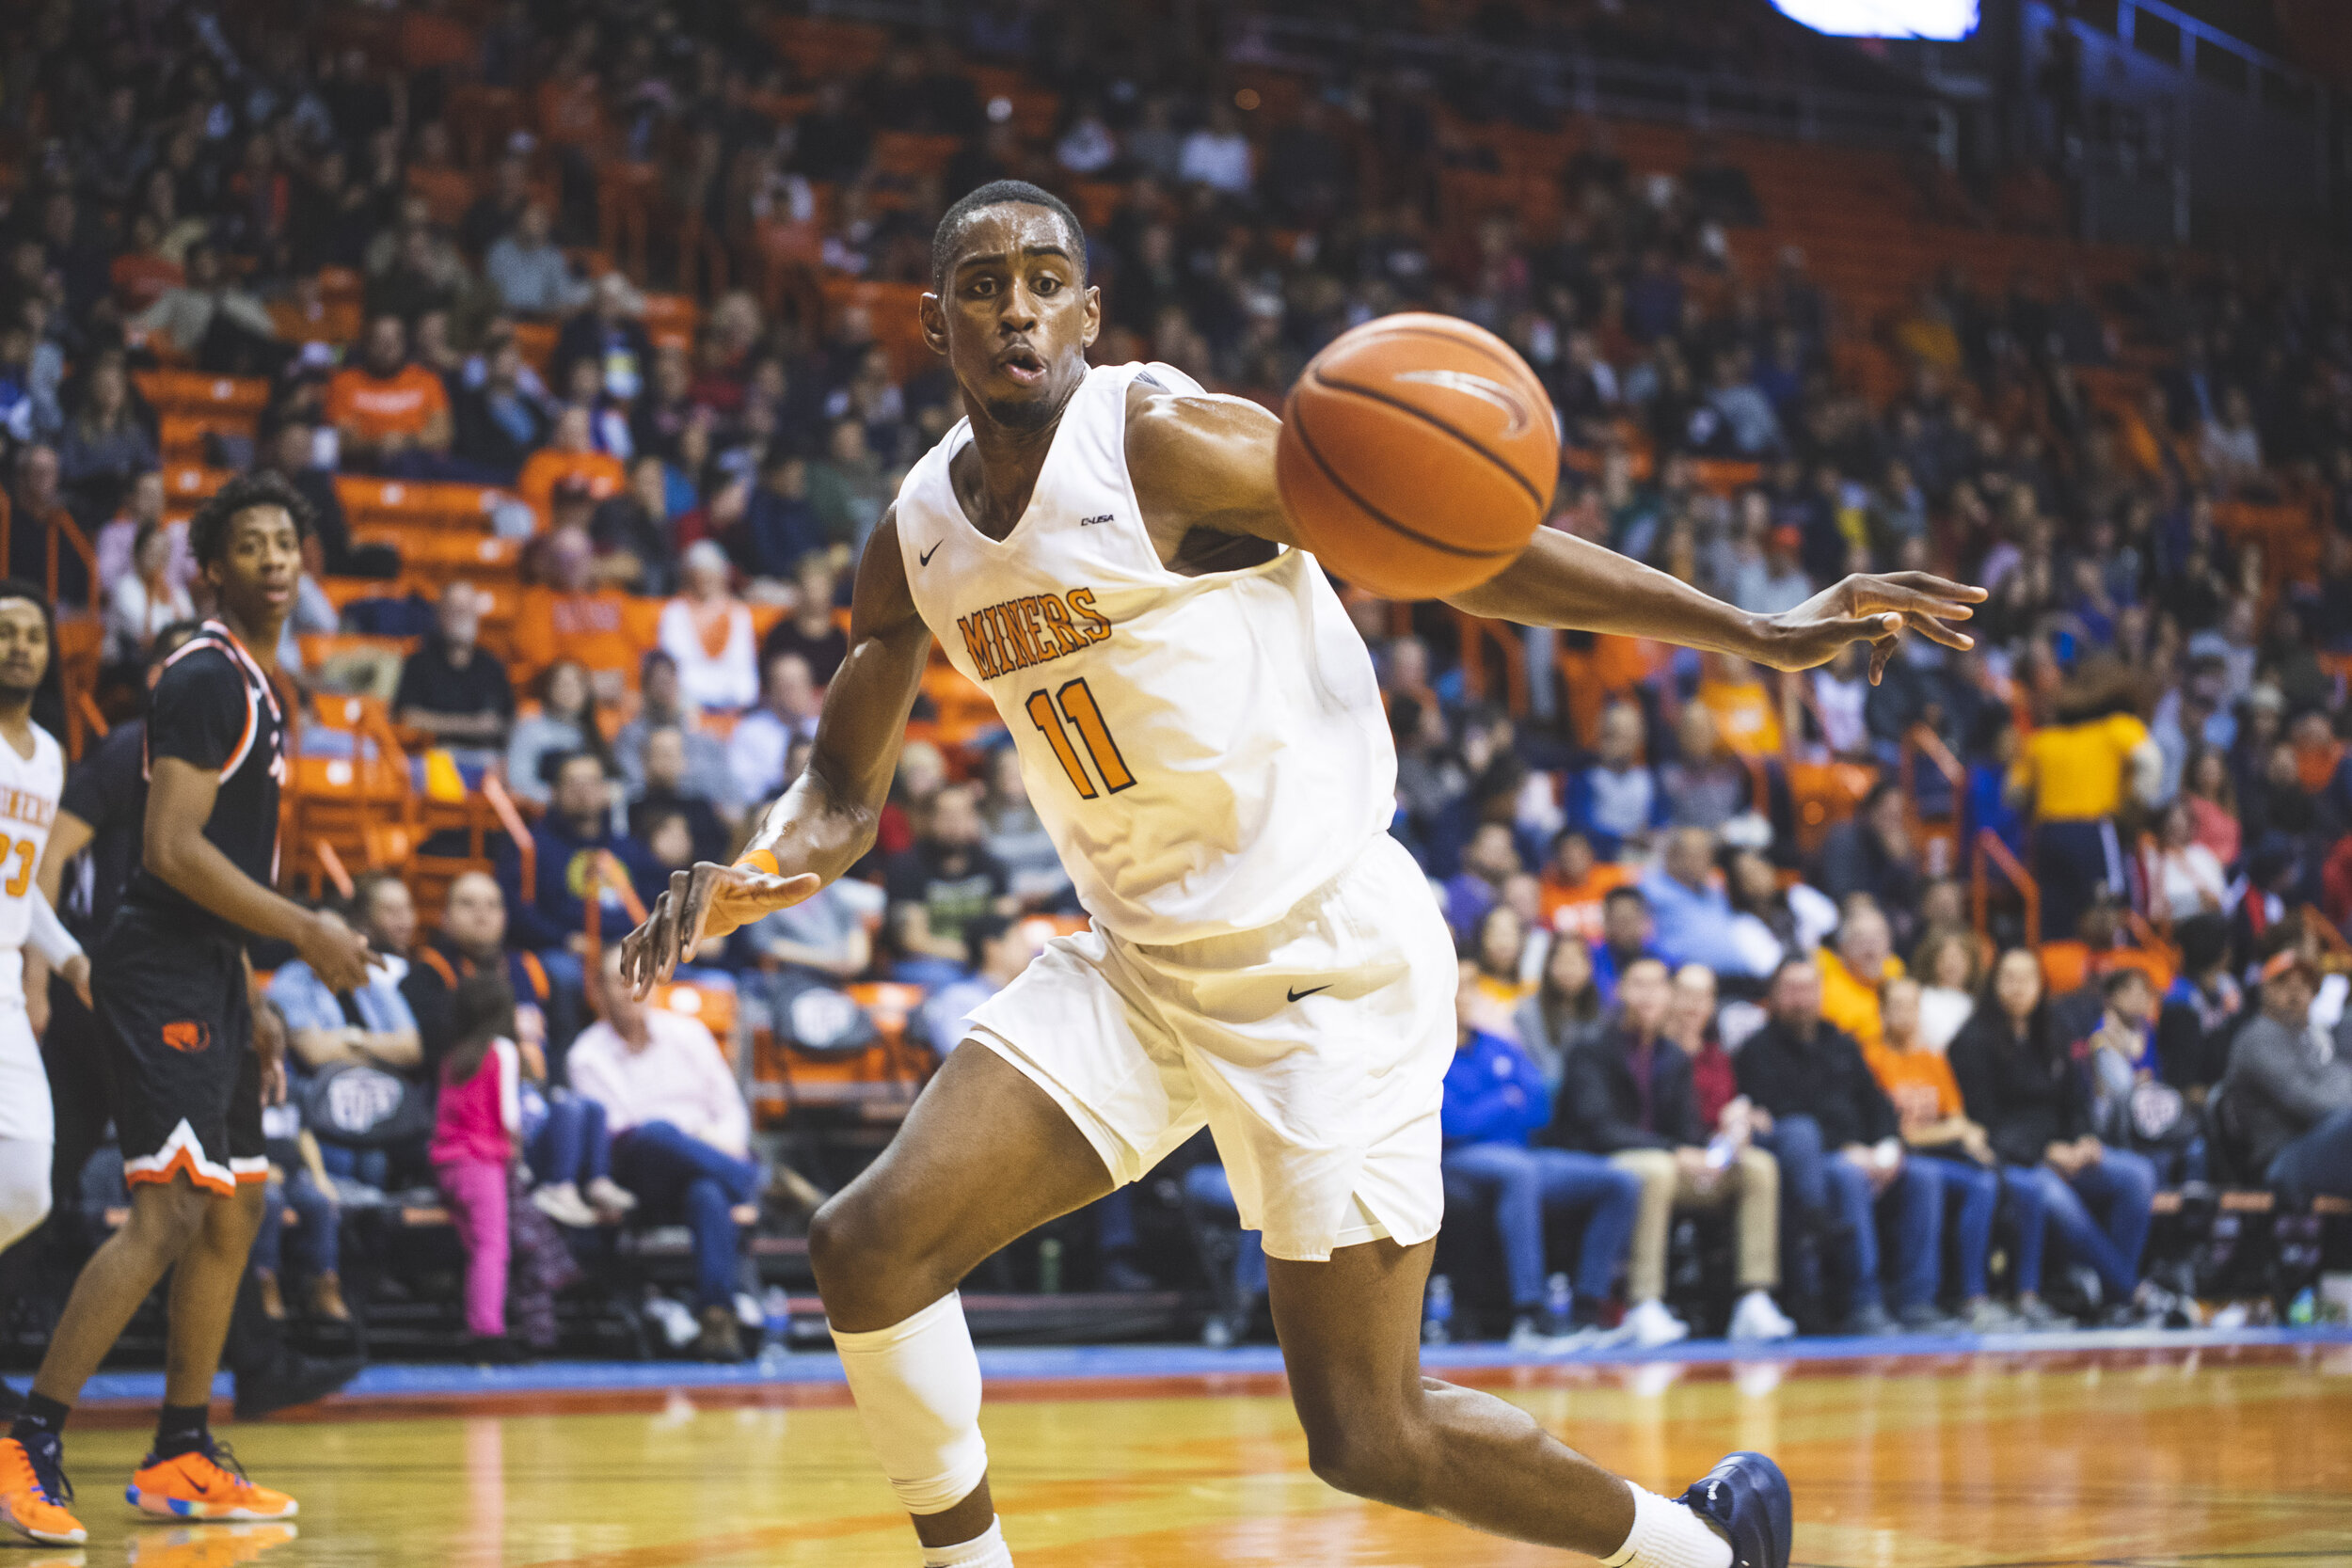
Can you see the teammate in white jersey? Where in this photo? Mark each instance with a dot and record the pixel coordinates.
(1198, 726)
(32, 777)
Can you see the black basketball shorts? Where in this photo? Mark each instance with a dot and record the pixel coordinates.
(178, 1026)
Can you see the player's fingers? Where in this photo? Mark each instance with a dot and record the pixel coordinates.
(81, 988)
(1941, 588)
(1881, 652)
(1882, 594)
(1934, 630)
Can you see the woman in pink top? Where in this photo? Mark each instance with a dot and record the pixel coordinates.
(476, 1141)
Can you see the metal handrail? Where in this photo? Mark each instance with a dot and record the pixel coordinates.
(1989, 849)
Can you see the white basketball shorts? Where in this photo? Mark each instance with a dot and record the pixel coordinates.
(1315, 1050)
(24, 1110)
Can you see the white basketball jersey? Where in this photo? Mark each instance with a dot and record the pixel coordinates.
(29, 789)
(1205, 751)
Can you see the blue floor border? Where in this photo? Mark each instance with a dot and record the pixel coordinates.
(1039, 1363)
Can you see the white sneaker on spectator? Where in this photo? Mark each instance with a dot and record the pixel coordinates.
(1651, 1325)
(610, 1197)
(560, 1202)
(1757, 1317)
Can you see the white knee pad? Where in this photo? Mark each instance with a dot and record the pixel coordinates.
(23, 1189)
(917, 1386)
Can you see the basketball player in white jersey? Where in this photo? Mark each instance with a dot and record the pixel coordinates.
(32, 777)
(1103, 551)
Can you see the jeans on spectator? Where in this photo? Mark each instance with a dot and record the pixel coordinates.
(678, 1174)
(2318, 1162)
(2029, 1209)
(1795, 1144)
(1525, 1182)
(476, 1191)
(318, 1240)
(2072, 861)
(1915, 1200)
(2124, 1187)
(572, 1145)
(1977, 1191)
(370, 1168)
(1209, 1187)
(567, 989)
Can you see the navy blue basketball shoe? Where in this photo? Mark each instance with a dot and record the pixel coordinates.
(1746, 1496)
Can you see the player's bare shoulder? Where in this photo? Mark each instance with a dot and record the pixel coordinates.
(1203, 465)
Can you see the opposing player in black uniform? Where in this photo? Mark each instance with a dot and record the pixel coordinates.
(175, 1013)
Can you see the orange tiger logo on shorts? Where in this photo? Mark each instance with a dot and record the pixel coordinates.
(188, 1035)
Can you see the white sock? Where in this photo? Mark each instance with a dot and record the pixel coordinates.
(918, 1388)
(1668, 1535)
(981, 1551)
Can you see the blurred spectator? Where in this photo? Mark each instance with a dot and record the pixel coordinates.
(662, 705)
(707, 632)
(472, 941)
(1774, 582)
(668, 791)
(105, 443)
(528, 270)
(1000, 948)
(390, 414)
(1799, 1065)
(633, 535)
(763, 739)
(477, 1144)
(1747, 717)
(781, 528)
(503, 420)
(1942, 1140)
(369, 1027)
(1873, 852)
(2076, 774)
(1562, 1012)
(1694, 915)
(568, 617)
(1573, 884)
(449, 686)
(1707, 785)
(1216, 155)
(1494, 1106)
(681, 1135)
(2021, 1086)
(1945, 966)
(1854, 969)
(1628, 1095)
(1496, 946)
(947, 877)
(569, 467)
(146, 598)
(849, 486)
(2288, 1091)
(40, 528)
(1769, 922)
(220, 327)
(1491, 859)
(1016, 835)
(1619, 801)
(2200, 1010)
(1625, 932)
(2184, 877)
(564, 722)
(609, 335)
(577, 856)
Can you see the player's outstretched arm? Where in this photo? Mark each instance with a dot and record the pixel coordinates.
(1561, 581)
(819, 828)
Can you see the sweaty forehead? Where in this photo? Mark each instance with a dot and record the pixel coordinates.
(266, 518)
(1009, 228)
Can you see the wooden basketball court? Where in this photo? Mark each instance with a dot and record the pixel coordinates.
(2134, 1457)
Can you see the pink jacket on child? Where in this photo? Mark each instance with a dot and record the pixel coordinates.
(474, 1121)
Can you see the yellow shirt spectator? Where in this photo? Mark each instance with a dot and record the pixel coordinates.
(2079, 773)
(1850, 1001)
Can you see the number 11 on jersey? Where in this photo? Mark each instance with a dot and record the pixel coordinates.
(1077, 711)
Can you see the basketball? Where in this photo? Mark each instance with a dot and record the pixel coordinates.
(1418, 455)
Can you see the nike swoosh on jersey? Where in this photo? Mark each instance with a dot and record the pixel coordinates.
(925, 559)
(1302, 995)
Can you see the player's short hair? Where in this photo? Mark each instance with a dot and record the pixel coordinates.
(998, 193)
(207, 531)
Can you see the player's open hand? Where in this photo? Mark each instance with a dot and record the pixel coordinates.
(711, 900)
(1872, 610)
(77, 972)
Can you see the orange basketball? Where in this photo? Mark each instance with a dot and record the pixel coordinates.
(1418, 455)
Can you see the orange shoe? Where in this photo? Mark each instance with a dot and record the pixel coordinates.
(206, 1484)
(33, 1495)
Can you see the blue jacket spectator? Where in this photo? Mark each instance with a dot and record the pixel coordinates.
(1618, 800)
(578, 825)
(1494, 1093)
(1693, 916)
